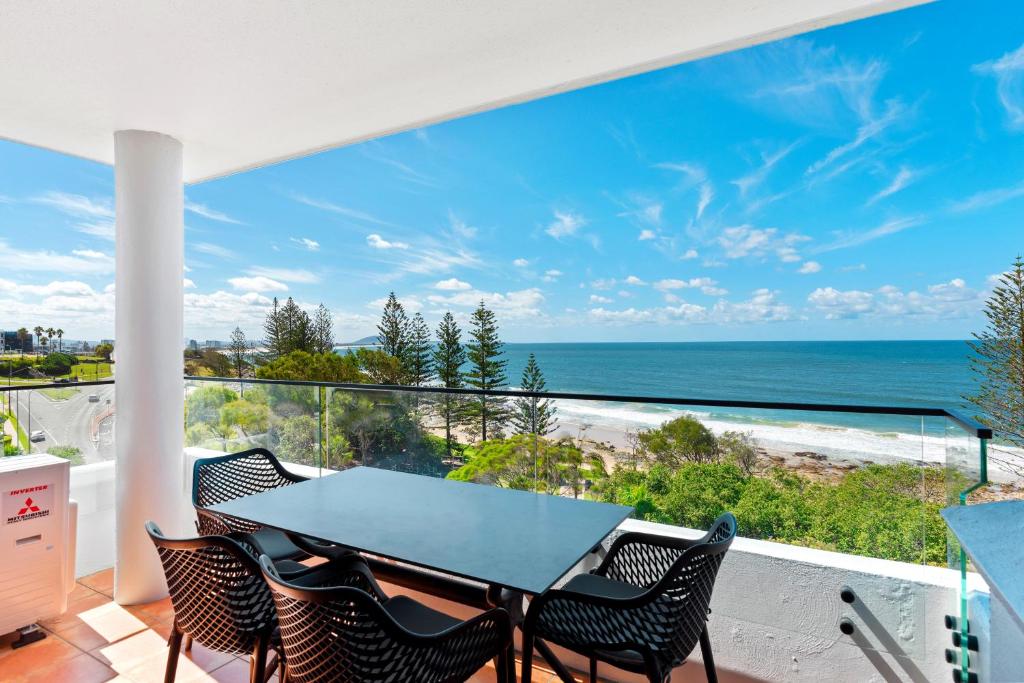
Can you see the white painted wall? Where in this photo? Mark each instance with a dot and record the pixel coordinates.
(775, 612)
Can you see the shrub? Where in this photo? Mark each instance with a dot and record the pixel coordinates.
(57, 364)
(699, 492)
(678, 441)
(68, 453)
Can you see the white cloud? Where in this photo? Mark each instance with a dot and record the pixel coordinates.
(214, 250)
(768, 161)
(225, 310)
(453, 285)
(76, 204)
(854, 268)
(705, 284)
(206, 212)
(853, 239)
(693, 175)
(690, 254)
(305, 242)
(953, 299)
(339, 209)
(521, 304)
(603, 283)
(99, 228)
(460, 227)
(378, 242)
(810, 267)
(634, 281)
(646, 235)
(900, 181)
(565, 224)
(294, 275)
(763, 306)
(552, 275)
(78, 262)
(745, 240)
(520, 263)
(987, 198)
(188, 284)
(257, 283)
(598, 299)
(895, 111)
(1008, 71)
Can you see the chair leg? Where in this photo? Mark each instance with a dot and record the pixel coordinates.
(259, 661)
(527, 657)
(172, 655)
(593, 670)
(501, 666)
(188, 643)
(709, 658)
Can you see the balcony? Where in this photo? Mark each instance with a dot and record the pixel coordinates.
(777, 609)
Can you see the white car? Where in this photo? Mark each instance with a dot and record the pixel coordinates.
(36, 437)
(93, 398)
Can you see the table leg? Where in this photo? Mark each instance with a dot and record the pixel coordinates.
(512, 601)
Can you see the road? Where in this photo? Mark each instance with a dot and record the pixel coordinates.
(69, 422)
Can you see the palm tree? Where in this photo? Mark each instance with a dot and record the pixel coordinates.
(60, 339)
(49, 335)
(39, 334)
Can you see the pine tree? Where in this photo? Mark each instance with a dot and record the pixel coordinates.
(487, 371)
(322, 331)
(534, 415)
(998, 362)
(296, 328)
(421, 365)
(238, 351)
(394, 330)
(274, 331)
(449, 357)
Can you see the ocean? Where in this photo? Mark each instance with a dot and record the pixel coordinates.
(893, 373)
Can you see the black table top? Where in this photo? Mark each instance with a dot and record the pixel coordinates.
(516, 539)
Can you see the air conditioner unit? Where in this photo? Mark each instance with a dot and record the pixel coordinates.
(37, 542)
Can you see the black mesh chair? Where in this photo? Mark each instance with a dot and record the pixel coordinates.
(220, 599)
(643, 609)
(216, 480)
(352, 632)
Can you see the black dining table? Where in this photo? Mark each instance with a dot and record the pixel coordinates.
(515, 542)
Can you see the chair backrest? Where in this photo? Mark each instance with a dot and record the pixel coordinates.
(217, 591)
(680, 577)
(226, 477)
(342, 633)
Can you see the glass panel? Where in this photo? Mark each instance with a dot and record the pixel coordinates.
(70, 421)
(231, 416)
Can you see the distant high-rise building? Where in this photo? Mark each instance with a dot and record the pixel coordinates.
(193, 345)
(11, 343)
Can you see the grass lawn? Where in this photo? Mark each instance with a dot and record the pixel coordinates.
(22, 436)
(62, 394)
(89, 371)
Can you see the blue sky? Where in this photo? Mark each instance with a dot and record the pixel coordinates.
(859, 182)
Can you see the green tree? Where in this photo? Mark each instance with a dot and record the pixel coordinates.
(57, 364)
(273, 331)
(299, 441)
(314, 367)
(534, 415)
(322, 331)
(380, 367)
(393, 331)
(449, 357)
(104, 351)
(297, 327)
(249, 417)
(486, 372)
(204, 403)
(50, 332)
(38, 329)
(60, 339)
(238, 352)
(740, 449)
(998, 363)
(420, 361)
(678, 441)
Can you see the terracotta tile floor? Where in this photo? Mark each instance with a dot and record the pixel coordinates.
(98, 640)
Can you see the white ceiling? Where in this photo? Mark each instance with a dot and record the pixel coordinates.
(244, 83)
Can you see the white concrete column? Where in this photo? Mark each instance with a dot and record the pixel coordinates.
(150, 253)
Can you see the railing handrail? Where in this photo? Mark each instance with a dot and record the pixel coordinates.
(968, 423)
